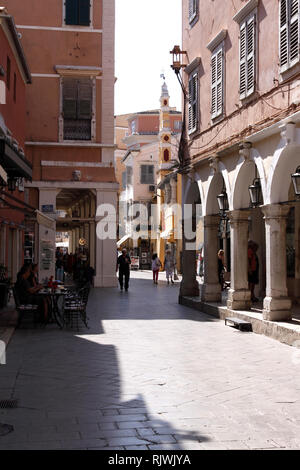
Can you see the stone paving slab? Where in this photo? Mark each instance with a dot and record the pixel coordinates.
(149, 374)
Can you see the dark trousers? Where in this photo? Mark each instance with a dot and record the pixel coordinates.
(121, 275)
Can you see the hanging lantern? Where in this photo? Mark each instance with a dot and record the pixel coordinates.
(296, 181)
(223, 201)
(255, 193)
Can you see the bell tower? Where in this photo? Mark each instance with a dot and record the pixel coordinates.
(164, 128)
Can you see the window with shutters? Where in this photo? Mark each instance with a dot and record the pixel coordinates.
(77, 108)
(248, 56)
(77, 12)
(288, 33)
(217, 82)
(193, 103)
(193, 11)
(147, 174)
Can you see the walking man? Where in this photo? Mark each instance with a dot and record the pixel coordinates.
(123, 263)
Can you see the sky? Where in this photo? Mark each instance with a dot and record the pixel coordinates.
(146, 32)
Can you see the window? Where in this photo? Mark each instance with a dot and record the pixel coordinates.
(289, 33)
(8, 73)
(15, 87)
(124, 176)
(247, 56)
(78, 12)
(193, 10)
(193, 103)
(217, 85)
(77, 109)
(128, 176)
(178, 125)
(147, 174)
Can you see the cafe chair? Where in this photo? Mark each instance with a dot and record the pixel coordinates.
(25, 310)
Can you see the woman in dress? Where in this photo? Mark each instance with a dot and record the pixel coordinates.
(156, 264)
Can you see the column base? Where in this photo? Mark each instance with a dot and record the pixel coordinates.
(189, 289)
(106, 281)
(277, 309)
(211, 293)
(239, 299)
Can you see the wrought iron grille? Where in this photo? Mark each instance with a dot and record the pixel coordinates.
(77, 129)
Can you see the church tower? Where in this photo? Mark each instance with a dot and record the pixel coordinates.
(164, 129)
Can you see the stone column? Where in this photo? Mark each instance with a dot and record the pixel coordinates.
(239, 296)
(106, 250)
(211, 290)
(277, 305)
(92, 244)
(189, 285)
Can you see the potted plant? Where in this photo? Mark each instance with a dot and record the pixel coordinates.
(4, 286)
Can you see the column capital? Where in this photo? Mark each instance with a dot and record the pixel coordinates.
(211, 220)
(239, 216)
(275, 211)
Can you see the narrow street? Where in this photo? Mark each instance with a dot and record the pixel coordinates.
(149, 374)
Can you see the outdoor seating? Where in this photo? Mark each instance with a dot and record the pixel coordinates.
(74, 307)
(25, 310)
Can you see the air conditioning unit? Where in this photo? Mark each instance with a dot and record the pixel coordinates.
(152, 188)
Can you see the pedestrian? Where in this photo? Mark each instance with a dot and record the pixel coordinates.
(169, 265)
(123, 263)
(221, 268)
(253, 268)
(201, 263)
(156, 264)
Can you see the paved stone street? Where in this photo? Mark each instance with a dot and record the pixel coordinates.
(149, 374)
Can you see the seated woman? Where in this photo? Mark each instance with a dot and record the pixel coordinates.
(28, 293)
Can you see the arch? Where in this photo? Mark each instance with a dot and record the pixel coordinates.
(215, 186)
(243, 176)
(285, 160)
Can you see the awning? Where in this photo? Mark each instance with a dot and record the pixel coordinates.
(13, 161)
(123, 240)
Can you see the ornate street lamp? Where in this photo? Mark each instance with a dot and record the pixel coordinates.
(255, 193)
(296, 181)
(223, 202)
(183, 150)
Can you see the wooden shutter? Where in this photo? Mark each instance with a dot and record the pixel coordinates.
(150, 174)
(84, 8)
(70, 98)
(192, 9)
(294, 32)
(84, 99)
(192, 106)
(214, 85)
(251, 55)
(143, 174)
(71, 11)
(217, 83)
(283, 35)
(220, 82)
(243, 60)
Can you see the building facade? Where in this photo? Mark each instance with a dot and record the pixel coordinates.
(70, 126)
(15, 168)
(242, 73)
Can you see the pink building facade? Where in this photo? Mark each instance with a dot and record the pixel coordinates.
(242, 72)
